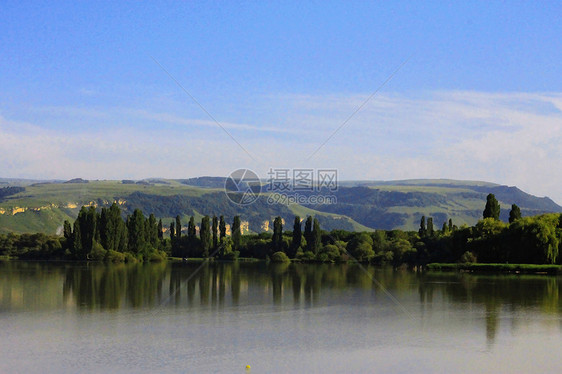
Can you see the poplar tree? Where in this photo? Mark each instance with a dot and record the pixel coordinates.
(297, 236)
(77, 239)
(236, 234)
(222, 228)
(67, 231)
(316, 237)
(137, 232)
(423, 230)
(205, 235)
(103, 229)
(277, 238)
(178, 227)
(308, 233)
(160, 230)
(172, 230)
(152, 231)
(514, 213)
(117, 238)
(430, 226)
(191, 230)
(215, 232)
(492, 208)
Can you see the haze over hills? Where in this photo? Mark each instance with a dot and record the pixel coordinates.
(42, 206)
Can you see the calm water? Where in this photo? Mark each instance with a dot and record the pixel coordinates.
(67, 318)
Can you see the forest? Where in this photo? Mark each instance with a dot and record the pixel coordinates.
(107, 235)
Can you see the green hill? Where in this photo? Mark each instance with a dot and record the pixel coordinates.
(36, 206)
(401, 204)
(43, 207)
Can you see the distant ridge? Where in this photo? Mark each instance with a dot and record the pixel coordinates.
(42, 206)
(77, 180)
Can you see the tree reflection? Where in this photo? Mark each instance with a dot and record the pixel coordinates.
(90, 286)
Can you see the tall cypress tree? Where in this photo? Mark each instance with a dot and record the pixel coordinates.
(191, 230)
(450, 224)
(137, 232)
(205, 235)
(215, 232)
(297, 237)
(430, 226)
(103, 228)
(152, 231)
(277, 238)
(192, 246)
(97, 217)
(308, 233)
(423, 230)
(236, 234)
(222, 229)
(492, 208)
(116, 230)
(160, 230)
(84, 231)
(316, 237)
(67, 232)
(172, 231)
(178, 227)
(514, 213)
(76, 248)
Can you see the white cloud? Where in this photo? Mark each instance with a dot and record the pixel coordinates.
(507, 138)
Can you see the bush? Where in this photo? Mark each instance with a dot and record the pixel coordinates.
(114, 256)
(130, 258)
(468, 257)
(328, 253)
(97, 253)
(231, 256)
(306, 256)
(157, 256)
(279, 257)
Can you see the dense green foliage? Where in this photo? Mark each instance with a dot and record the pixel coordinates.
(8, 191)
(95, 235)
(105, 235)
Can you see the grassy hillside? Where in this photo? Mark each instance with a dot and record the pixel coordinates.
(362, 206)
(401, 204)
(43, 207)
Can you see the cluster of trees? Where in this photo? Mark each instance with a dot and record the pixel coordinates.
(94, 235)
(212, 240)
(104, 234)
(528, 240)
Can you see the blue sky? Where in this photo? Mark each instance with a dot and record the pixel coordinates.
(479, 98)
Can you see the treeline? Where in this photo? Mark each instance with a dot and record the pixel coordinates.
(105, 235)
(523, 240)
(8, 191)
(94, 235)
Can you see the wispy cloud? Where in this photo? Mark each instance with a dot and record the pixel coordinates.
(508, 138)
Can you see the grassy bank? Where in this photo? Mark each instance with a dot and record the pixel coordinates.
(498, 268)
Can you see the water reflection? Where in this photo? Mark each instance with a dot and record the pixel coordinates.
(91, 287)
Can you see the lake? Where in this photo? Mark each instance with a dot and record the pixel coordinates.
(277, 318)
